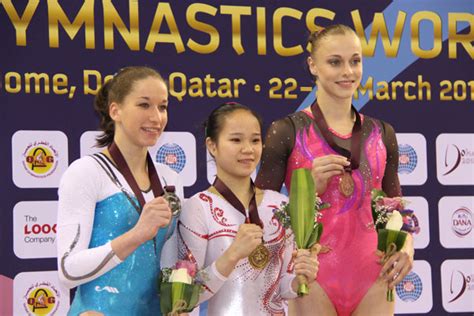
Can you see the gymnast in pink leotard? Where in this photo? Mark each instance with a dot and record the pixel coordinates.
(339, 144)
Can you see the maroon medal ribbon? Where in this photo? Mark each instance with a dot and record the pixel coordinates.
(354, 154)
(260, 256)
(156, 187)
(122, 166)
(230, 197)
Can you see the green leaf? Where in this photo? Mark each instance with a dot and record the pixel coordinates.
(385, 237)
(382, 235)
(320, 232)
(315, 235)
(301, 209)
(171, 293)
(402, 236)
(392, 236)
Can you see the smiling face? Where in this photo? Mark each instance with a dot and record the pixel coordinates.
(238, 147)
(336, 61)
(142, 116)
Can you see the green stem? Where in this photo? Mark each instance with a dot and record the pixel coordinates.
(389, 295)
(303, 289)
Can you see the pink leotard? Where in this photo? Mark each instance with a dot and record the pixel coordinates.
(350, 268)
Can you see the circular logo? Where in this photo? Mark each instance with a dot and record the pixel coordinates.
(462, 221)
(172, 155)
(407, 159)
(410, 288)
(40, 159)
(41, 299)
(412, 222)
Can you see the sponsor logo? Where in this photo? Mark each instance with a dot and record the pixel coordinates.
(408, 159)
(414, 292)
(412, 163)
(172, 155)
(455, 157)
(41, 299)
(177, 150)
(462, 221)
(34, 229)
(412, 222)
(419, 222)
(40, 159)
(38, 233)
(459, 284)
(455, 161)
(410, 288)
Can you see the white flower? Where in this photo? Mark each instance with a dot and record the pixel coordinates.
(395, 221)
(180, 275)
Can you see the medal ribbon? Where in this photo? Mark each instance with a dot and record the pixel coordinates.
(259, 257)
(122, 166)
(354, 154)
(234, 201)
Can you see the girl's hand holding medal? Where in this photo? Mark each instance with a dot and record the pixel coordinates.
(155, 215)
(325, 167)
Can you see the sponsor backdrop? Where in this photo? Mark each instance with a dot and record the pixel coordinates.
(417, 76)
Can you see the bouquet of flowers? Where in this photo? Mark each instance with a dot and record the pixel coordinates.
(179, 288)
(302, 214)
(392, 222)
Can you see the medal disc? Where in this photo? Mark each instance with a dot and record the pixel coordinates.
(174, 203)
(260, 257)
(346, 184)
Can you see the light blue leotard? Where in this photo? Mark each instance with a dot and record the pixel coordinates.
(129, 288)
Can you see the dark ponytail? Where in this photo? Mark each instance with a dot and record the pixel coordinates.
(107, 125)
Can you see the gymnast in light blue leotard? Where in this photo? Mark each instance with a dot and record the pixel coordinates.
(115, 231)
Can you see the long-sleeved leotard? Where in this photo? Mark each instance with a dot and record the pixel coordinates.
(208, 226)
(350, 268)
(93, 210)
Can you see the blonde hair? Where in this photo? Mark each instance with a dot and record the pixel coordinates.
(315, 38)
(336, 29)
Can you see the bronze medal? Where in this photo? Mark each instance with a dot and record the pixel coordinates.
(260, 257)
(346, 184)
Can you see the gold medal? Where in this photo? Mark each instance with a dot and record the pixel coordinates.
(260, 257)
(346, 184)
